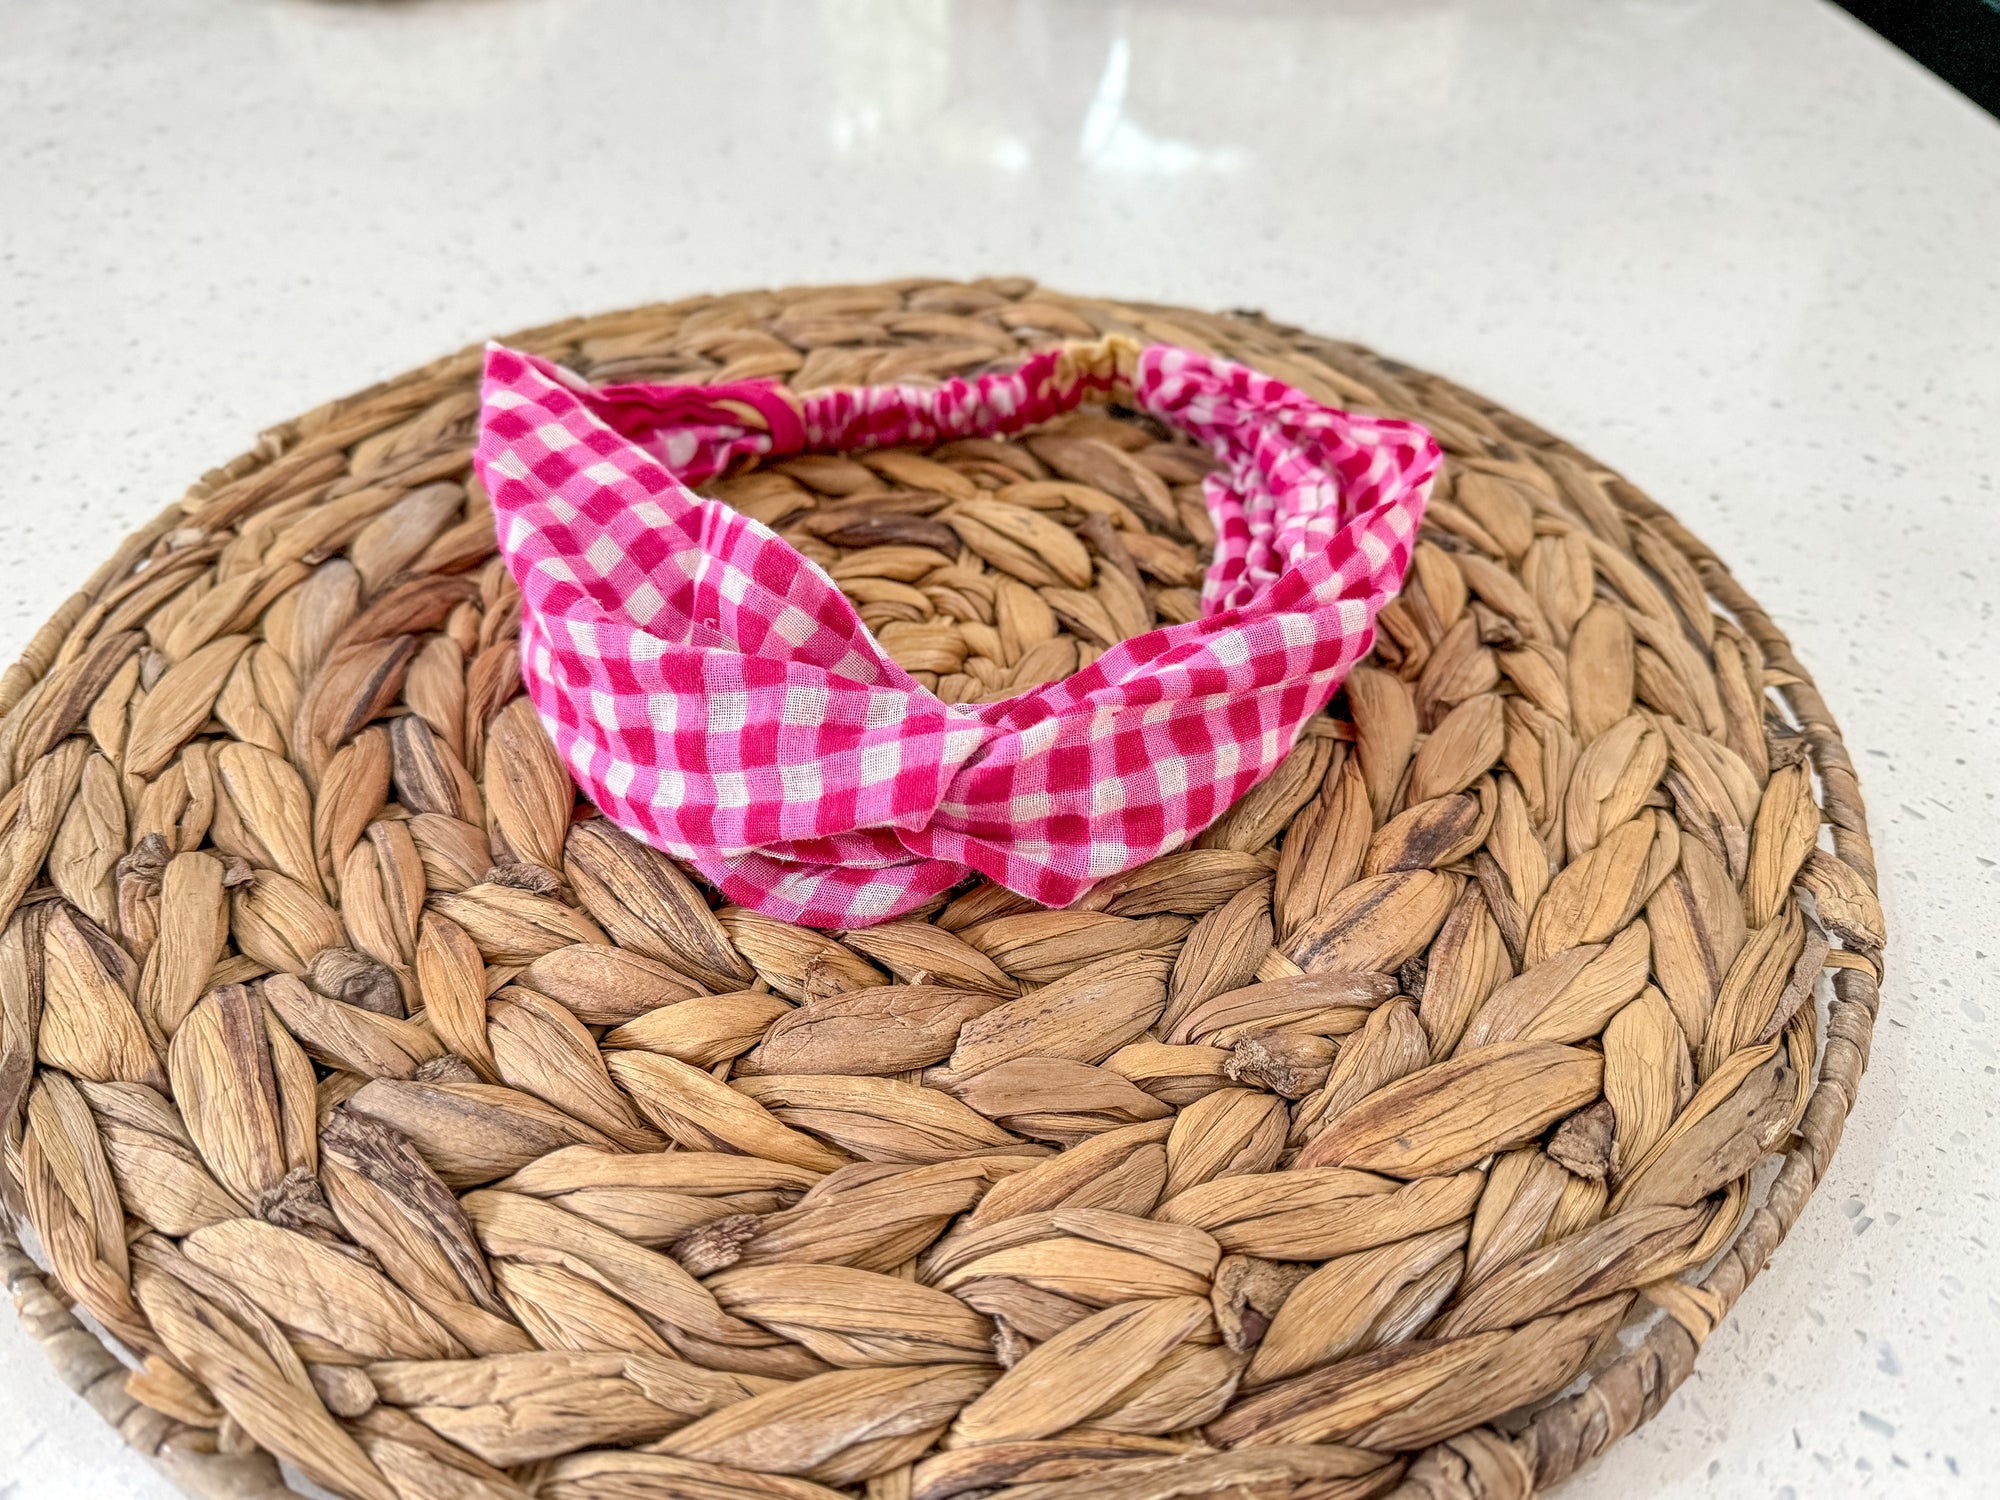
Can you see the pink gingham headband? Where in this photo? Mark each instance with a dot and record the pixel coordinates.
(716, 694)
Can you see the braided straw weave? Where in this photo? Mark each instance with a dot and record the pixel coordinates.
(397, 1119)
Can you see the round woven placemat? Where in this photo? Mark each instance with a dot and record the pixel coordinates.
(397, 1119)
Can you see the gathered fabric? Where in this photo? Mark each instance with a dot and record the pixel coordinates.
(716, 695)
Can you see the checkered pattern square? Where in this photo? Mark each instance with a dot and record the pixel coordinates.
(717, 696)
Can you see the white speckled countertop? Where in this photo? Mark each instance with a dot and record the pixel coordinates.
(1739, 248)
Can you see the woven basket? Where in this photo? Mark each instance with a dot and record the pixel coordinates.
(1476, 1051)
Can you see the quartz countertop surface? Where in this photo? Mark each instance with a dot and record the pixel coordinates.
(1740, 249)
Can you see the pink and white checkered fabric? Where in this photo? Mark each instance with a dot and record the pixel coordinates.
(717, 696)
